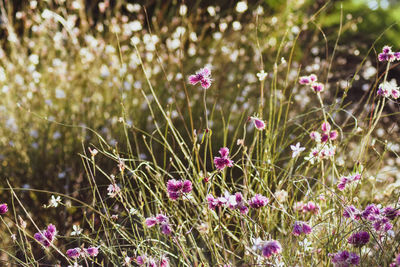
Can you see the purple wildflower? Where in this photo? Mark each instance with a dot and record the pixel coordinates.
(317, 87)
(258, 123)
(177, 188)
(359, 239)
(162, 220)
(271, 247)
(74, 253)
(46, 237)
(351, 212)
(391, 213)
(164, 262)
(202, 77)
(300, 227)
(258, 201)
(166, 229)
(141, 260)
(224, 160)
(92, 251)
(345, 180)
(3, 208)
(345, 259)
(387, 54)
(150, 222)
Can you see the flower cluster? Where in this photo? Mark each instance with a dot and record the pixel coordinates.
(224, 160)
(312, 81)
(258, 201)
(378, 217)
(358, 239)
(3, 208)
(300, 227)
(345, 180)
(345, 259)
(202, 77)
(388, 55)
(162, 220)
(396, 262)
(322, 150)
(46, 237)
(233, 202)
(389, 89)
(176, 188)
(151, 262)
(268, 248)
(75, 253)
(310, 207)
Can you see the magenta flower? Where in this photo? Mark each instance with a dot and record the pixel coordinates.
(345, 259)
(92, 251)
(3, 208)
(202, 77)
(162, 220)
(258, 123)
(311, 207)
(387, 54)
(391, 213)
(177, 188)
(73, 253)
(258, 201)
(164, 262)
(141, 260)
(317, 87)
(301, 228)
(46, 237)
(359, 239)
(224, 160)
(345, 180)
(351, 212)
(271, 247)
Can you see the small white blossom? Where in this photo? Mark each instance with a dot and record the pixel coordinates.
(55, 201)
(296, 150)
(262, 75)
(77, 230)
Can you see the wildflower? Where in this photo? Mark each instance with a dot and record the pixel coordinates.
(77, 230)
(92, 251)
(308, 79)
(258, 201)
(54, 201)
(262, 75)
(113, 190)
(236, 202)
(164, 262)
(317, 87)
(359, 239)
(3, 208)
(74, 253)
(310, 207)
(259, 124)
(161, 220)
(345, 258)
(296, 150)
(301, 228)
(271, 247)
(348, 180)
(202, 77)
(388, 89)
(391, 213)
(224, 160)
(177, 188)
(141, 260)
(93, 152)
(46, 237)
(387, 54)
(351, 212)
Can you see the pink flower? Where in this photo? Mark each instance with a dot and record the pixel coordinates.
(92, 251)
(46, 237)
(224, 160)
(3, 208)
(202, 77)
(271, 247)
(177, 188)
(74, 253)
(311, 207)
(258, 201)
(317, 87)
(259, 124)
(301, 228)
(150, 222)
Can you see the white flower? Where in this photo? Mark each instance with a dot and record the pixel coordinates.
(113, 190)
(241, 7)
(307, 245)
(54, 201)
(296, 150)
(77, 230)
(262, 75)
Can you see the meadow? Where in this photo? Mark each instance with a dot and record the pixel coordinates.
(199, 133)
